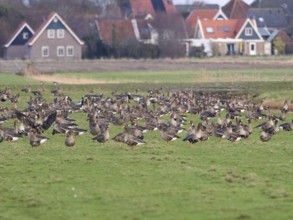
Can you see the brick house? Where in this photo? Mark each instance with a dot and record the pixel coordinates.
(229, 37)
(54, 40)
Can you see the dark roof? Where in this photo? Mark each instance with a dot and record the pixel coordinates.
(46, 23)
(287, 5)
(236, 9)
(15, 36)
(269, 17)
(187, 9)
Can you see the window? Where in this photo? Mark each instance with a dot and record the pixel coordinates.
(25, 35)
(70, 51)
(210, 30)
(226, 29)
(219, 28)
(248, 31)
(45, 51)
(60, 33)
(261, 19)
(51, 33)
(60, 51)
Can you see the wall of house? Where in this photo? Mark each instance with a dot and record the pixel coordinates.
(16, 52)
(260, 48)
(221, 48)
(35, 51)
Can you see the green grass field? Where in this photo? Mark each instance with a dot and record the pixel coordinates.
(215, 179)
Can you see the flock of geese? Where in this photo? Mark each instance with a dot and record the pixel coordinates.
(199, 115)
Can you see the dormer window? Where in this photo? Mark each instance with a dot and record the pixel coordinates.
(25, 35)
(51, 33)
(226, 29)
(60, 33)
(261, 19)
(248, 31)
(210, 30)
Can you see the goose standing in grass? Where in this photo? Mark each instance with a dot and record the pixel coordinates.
(2, 134)
(103, 136)
(130, 139)
(36, 139)
(265, 136)
(94, 126)
(288, 126)
(70, 138)
(166, 135)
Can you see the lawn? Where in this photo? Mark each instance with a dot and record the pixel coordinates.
(215, 179)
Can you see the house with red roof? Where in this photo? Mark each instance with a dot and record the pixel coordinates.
(115, 31)
(203, 14)
(16, 47)
(230, 37)
(140, 21)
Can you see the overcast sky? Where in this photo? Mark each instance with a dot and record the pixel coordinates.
(220, 2)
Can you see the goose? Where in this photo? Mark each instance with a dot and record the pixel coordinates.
(242, 132)
(191, 135)
(36, 139)
(9, 134)
(265, 136)
(119, 137)
(70, 138)
(130, 139)
(2, 135)
(287, 126)
(3, 120)
(166, 136)
(285, 107)
(94, 126)
(103, 136)
(230, 135)
(267, 124)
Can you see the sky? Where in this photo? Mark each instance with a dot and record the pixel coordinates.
(220, 2)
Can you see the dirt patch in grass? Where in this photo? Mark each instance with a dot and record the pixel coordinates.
(69, 80)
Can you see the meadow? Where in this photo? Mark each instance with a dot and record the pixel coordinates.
(215, 179)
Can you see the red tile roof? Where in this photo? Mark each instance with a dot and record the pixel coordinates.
(169, 6)
(146, 7)
(221, 28)
(285, 37)
(122, 28)
(236, 9)
(142, 7)
(204, 14)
